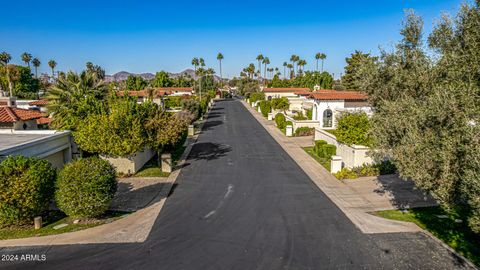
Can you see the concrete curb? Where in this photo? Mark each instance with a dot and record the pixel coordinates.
(134, 228)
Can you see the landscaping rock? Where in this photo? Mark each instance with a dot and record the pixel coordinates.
(458, 221)
(442, 216)
(59, 226)
(76, 221)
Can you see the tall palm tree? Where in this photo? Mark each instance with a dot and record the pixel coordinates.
(266, 62)
(285, 64)
(301, 64)
(260, 59)
(317, 57)
(294, 58)
(290, 67)
(26, 57)
(36, 63)
(195, 64)
(322, 57)
(220, 58)
(5, 59)
(202, 62)
(52, 64)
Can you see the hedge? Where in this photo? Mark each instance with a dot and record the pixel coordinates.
(265, 107)
(280, 120)
(304, 131)
(85, 187)
(324, 150)
(27, 186)
(255, 96)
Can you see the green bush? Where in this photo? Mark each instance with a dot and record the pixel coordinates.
(280, 103)
(319, 144)
(308, 114)
(86, 187)
(345, 173)
(288, 123)
(304, 131)
(280, 120)
(324, 150)
(352, 128)
(27, 186)
(265, 107)
(255, 96)
(173, 101)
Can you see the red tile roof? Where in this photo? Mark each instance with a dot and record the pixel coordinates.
(41, 102)
(11, 115)
(286, 89)
(44, 121)
(338, 95)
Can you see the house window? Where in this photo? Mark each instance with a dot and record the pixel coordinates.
(269, 97)
(327, 118)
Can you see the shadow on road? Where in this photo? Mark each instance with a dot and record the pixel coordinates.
(208, 151)
(211, 124)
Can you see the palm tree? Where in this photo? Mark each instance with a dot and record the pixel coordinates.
(285, 64)
(301, 64)
(322, 57)
(266, 62)
(317, 57)
(202, 62)
(36, 63)
(5, 59)
(26, 57)
(52, 64)
(294, 58)
(220, 58)
(290, 67)
(260, 59)
(70, 91)
(195, 64)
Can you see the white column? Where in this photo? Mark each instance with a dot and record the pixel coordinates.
(336, 164)
(289, 131)
(270, 116)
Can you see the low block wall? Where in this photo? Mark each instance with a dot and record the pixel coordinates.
(302, 123)
(352, 156)
(130, 165)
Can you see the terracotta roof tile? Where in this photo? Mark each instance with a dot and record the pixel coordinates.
(44, 121)
(338, 95)
(41, 102)
(11, 115)
(286, 89)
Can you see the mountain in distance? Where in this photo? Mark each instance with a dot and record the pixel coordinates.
(123, 75)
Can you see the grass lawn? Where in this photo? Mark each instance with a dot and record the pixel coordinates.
(456, 235)
(55, 218)
(325, 162)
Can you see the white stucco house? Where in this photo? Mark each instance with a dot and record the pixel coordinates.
(13, 117)
(328, 104)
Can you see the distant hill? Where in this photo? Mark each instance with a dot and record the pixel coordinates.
(123, 75)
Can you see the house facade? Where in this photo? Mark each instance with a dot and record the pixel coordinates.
(327, 105)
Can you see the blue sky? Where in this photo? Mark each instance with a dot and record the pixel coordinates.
(148, 36)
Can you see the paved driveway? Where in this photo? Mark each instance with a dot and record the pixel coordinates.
(242, 203)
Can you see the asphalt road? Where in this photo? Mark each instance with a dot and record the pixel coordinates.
(242, 203)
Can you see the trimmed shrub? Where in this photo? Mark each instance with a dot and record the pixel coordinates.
(86, 187)
(27, 186)
(280, 120)
(265, 107)
(329, 150)
(345, 173)
(304, 131)
(280, 103)
(352, 128)
(288, 123)
(255, 96)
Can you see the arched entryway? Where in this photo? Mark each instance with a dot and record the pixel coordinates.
(327, 118)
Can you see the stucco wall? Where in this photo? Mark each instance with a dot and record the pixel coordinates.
(352, 156)
(279, 94)
(130, 165)
(321, 105)
(302, 123)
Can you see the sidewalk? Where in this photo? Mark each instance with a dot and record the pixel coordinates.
(354, 199)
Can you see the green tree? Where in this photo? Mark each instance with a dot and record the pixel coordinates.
(351, 79)
(25, 85)
(353, 128)
(36, 64)
(427, 111)
(4, 60)
(285, 64)
(26, 58)
(52, 64)
(98, 70)
(195, 63)
(162, 79)
(73, 97)
(322, 57)
(135, 83)
(266, 62)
